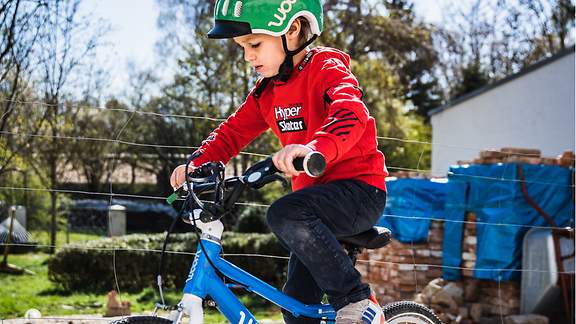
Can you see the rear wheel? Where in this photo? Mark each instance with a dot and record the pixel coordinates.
(408, 312)
(142, 320)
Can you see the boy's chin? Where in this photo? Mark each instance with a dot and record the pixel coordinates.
(267, 74)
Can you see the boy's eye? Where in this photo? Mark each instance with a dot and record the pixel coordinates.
(255, 45)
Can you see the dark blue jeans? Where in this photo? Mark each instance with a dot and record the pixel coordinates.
(309, 222)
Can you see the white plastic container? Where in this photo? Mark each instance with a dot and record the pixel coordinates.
(117, 220)
(540, 287)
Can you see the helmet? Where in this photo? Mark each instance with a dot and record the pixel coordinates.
(235, 18)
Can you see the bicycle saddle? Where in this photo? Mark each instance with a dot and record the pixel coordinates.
(374, 238)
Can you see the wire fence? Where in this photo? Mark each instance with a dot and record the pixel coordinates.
(116, 139)
(278, 257)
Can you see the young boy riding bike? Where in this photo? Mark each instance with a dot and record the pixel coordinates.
(312, 102)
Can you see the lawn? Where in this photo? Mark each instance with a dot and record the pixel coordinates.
(19, 293)
(43, 237)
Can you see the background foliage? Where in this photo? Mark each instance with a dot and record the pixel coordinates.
(59, 126)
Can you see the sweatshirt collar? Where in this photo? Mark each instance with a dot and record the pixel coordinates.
(298, 68)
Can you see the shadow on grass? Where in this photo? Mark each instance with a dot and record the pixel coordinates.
(55, 291)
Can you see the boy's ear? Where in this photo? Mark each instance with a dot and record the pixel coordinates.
(294, 30)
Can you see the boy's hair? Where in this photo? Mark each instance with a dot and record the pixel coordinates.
(305, 30)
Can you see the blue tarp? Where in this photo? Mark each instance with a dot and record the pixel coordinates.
(410, 205)
(503, 215)
(494, 194)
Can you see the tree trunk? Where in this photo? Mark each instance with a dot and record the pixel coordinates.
(53, 209)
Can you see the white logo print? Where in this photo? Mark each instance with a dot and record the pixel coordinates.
(243, 317)
(289, 119)
(283, 113)
(285, 7)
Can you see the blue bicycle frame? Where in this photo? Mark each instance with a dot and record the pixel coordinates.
(203, 281)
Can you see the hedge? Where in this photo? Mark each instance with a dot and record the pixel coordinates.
(90, 267)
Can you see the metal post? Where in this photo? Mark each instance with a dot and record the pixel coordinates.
(12, 213)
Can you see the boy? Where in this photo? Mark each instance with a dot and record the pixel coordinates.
(312, 102)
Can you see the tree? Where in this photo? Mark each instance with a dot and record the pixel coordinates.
(213, 80)
(473, 78)
(66, 41)
(404, 44)
(489, 40)
(20, 27)
(394, 69)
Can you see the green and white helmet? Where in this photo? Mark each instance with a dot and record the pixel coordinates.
(233, 18)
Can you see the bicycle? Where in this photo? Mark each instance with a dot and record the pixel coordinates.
(208, 268)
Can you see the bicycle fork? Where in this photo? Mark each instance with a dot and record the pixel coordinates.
(203, 281)
(191, 305)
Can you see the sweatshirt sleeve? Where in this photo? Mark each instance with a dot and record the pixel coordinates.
(233, 134)
(347, 114)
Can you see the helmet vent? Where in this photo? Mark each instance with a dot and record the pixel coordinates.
(225, 7)
(238, 9)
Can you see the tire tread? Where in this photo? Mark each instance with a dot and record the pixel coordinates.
(407, 306)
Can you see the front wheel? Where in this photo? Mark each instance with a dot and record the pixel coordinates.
(409, 312)
(142, 320)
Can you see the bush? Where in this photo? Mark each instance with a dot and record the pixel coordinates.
(135, 258)
(252, 220)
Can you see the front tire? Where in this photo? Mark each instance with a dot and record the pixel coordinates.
(142, 320)
(409, 312)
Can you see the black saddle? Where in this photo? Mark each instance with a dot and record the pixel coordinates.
(374, 238)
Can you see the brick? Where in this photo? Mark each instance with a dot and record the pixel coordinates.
(523, 159)
(434, 273)
(488, 161)
(469, 264)
(566, 159)
(521, 151)
(404, 252)
(411, 288)
(436, 254)
(467, 273)
(423, 253)
(468, 256)
(549, 161)
(405, 267)
(491, 154)
(472, 240)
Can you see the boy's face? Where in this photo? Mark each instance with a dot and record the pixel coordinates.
(264, 52)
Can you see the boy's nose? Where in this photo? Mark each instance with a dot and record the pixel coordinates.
(249, 56)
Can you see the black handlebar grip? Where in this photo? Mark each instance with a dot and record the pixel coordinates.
(313, 164)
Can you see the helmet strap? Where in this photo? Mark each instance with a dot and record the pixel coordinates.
(288, 65)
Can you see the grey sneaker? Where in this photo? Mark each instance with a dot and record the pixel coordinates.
(366, 311)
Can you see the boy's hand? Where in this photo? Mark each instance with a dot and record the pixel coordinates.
(283, 158)
(178, 176)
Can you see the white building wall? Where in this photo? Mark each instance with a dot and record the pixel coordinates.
(535, 110)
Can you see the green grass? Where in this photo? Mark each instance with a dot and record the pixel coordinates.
(62, 238)
(19, 293)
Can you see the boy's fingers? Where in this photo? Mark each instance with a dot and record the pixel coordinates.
(280, 161)
(289, 163)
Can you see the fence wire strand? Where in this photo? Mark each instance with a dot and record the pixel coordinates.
(379, 263)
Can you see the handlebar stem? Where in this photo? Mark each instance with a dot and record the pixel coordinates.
(211, 231)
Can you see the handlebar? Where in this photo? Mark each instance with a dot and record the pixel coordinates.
(207, 178)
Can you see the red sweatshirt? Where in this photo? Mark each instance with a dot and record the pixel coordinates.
(320, 106)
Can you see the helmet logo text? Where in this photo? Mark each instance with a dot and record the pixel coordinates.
(284, 8)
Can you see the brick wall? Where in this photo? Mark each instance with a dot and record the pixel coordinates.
(402, 271)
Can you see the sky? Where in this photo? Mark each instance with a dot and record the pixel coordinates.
(133, 34)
